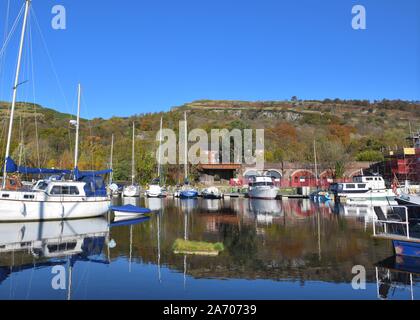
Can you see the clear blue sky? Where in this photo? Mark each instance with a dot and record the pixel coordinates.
(137, 56)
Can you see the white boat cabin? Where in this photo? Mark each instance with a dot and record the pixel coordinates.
(257, 181)
(360, 184)
(51, 189)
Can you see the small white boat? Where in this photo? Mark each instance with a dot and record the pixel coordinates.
(129, 210)
(262, 187)
(131, 191)
(211, 193)
(155, 191)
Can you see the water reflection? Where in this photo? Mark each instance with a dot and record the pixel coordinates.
(37, 245)
(289, 249)
(396, 277)
(154, 204)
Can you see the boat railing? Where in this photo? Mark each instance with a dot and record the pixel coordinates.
(390, 222)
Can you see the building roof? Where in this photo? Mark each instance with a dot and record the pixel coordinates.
(219, 166)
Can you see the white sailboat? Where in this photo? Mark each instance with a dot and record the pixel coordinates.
(132, 190)
(155, 189)
(55, 198)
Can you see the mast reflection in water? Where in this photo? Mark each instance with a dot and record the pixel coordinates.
(293, 249)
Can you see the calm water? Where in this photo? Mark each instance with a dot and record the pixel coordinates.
(293, 249)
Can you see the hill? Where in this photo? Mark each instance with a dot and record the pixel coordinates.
(344, 130)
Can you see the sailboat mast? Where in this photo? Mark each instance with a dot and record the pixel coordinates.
(16, 84)
(185, 147)
(76, 148)
(316, 165)
(159, 151)
(132, 158)
(111, 166)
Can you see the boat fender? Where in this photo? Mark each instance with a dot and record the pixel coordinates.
(23, 209)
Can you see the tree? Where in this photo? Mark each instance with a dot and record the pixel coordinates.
(333, 156)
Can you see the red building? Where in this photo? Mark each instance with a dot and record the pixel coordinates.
(404, 164)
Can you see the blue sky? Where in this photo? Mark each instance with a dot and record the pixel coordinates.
(136, 56)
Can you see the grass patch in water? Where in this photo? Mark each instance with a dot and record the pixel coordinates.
(197, 247)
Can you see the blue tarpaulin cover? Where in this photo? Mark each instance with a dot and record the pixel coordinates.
(130, 208)
(12, 167)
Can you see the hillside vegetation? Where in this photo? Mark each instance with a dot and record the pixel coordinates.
(343, 131)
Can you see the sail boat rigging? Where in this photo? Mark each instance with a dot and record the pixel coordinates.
(155, 189)
(132, 190)
(187, 192)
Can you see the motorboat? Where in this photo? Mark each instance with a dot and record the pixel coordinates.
(211, 193)
(363, 188)
(131, 191)
(188, 193)
(262, 187)
(155, 191)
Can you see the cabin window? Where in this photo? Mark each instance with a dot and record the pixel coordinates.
(28, 196)
(74, 190)
(56, 190)
(263, 183)
(42, 185)
(361, 186)
(62, 246)
(369, 179)
(5, 195)
(351, 186)
(65, 190)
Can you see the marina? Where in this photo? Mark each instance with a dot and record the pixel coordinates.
(143, 186)
(272, 249)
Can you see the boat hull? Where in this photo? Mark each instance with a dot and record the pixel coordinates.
(124, 214)
(406, 248)
(15, 210)
(263, 193)
(406, 199)
(212, 196)
(188, 194)
(367, 196)
(155, 195)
